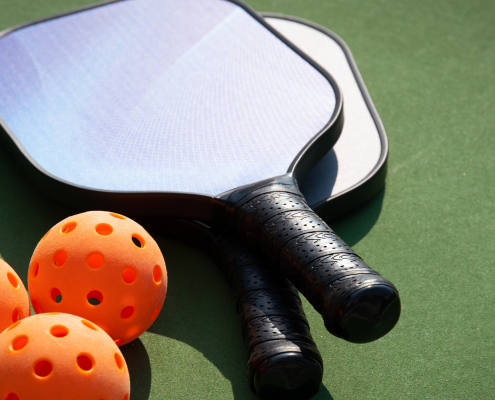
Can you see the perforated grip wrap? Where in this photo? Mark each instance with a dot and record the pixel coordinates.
(284, 361)
(357, 304)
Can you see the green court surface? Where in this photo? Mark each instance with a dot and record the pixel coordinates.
(430, 69)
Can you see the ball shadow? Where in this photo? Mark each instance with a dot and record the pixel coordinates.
(139, 365)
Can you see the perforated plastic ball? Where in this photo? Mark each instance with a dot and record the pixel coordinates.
(14, 301)
(103, 267)
(61, 356)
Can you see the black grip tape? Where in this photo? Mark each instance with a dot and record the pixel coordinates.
(258, 277)
(268, 302)
(275, 327)
(276, 218)
(269, 309)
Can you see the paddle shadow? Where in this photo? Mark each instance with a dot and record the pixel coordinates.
(323, 394)
(200, 312)
(355, 225)
(25, 216)
(319, 183)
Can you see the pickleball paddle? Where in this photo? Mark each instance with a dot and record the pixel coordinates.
(284, 361)
(155, 107)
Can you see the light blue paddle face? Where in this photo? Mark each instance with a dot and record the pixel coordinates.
(160, 95)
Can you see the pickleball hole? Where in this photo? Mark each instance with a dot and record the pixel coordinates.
(95, 298)
(12, 396)
(59, 331)
(36, 269)
(155, 314)
(103, 229)
(129, 275)
(43, 368)
(56, 295)
(119, 361)
(126, 397)
(127, 312)
(117, 216)
(95, 261)
(13, 280)
(89, 325)
(138, 241)
(19, 343)
(157, 274)
(67, 228)
(60, 258)
(85, 362)
(15, 315)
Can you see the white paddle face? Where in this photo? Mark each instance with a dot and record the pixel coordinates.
(160, 95)
(360, 146)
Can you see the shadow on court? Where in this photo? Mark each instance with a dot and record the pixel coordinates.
(139, 365)
(25, 216)
(323, 394)
(355, 226)
(200, 312)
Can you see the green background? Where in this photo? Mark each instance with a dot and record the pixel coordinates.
(429, 67)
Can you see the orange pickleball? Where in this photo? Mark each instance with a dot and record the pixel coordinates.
(60, 356)
(14, 302)
(103, 267)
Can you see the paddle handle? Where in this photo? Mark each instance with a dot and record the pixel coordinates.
(357, 304)
(283, 358)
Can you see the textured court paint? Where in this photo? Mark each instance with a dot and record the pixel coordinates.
(428, 66)
(153, 95)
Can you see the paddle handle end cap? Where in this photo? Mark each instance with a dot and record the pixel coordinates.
(291, 375)
(368, 314)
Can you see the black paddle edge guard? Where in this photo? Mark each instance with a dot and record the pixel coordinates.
(194, 206)
(357, 304)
